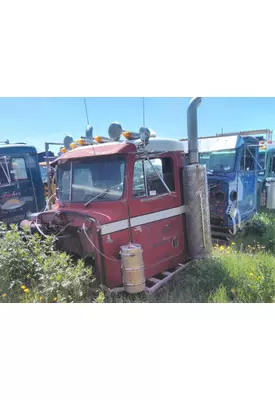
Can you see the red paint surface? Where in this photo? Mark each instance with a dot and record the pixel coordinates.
(104, 212)
(98, 150)
(156, 238)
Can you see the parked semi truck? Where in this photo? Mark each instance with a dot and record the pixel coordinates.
(234, 165)
(129, 191)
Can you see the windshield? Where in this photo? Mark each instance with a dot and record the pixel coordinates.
(83, 180)
(222, 161)
(12, 170)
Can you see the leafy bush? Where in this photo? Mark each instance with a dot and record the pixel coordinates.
(258, 225)
(259, 230)
(32, 271)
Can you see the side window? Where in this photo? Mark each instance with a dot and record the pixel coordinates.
(242, 165)
(248, 159)
(147, 175)
(139, 188)
(272, 166)
(64, 177)
(5, 177)
(19, 169)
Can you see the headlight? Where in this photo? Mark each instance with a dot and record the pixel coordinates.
(233, 195)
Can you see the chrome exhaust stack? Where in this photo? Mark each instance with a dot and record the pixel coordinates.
(195, 189)
(192, 131)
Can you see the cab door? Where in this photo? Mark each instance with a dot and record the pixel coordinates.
(247, 182)
(14, 193)
(156, 213)
(271, 165)
(20, 193)
(35, 186)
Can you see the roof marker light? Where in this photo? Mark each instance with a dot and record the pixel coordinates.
(127, 135)
(103, 139)
(81, 142)
(131, 135)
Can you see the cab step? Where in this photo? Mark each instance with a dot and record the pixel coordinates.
(220, 241)
(154, 283)
(221, 238)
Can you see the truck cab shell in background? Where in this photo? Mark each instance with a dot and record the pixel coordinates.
(268, 171)
(25, 193)
(235, 189)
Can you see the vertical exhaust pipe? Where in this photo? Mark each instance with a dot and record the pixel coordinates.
(196, 191)
(192, 130)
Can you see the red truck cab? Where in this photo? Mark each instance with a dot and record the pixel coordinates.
(115, 185)
(130, 189)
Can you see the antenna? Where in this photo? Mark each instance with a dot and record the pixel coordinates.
(86, 111)
(89, 129)
(143, 112)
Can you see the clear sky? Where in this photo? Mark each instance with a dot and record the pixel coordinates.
(36, 120)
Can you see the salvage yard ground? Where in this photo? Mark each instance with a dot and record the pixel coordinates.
(244, 272)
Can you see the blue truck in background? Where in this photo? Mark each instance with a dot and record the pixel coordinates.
(232, 164)
(232, 169)
(21, 187)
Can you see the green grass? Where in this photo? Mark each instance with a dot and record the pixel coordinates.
(242, 273)
(32, 271)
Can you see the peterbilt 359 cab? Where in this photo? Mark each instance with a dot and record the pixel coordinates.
(130, 188)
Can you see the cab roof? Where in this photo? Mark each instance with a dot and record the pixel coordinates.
(221, 143)
(122, 147)
(98, 150)
(6, 149)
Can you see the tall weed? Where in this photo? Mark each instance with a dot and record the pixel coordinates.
(32, 271)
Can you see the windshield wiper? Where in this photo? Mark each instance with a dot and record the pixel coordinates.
(97, 196)
(105, 191)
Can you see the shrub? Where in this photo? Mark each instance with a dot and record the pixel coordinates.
(32, 271)
(259, 230)
(259, 224)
